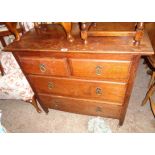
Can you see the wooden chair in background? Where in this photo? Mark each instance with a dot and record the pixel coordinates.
(12, 29)
(151, 86)
(66, 25)
(150, 60)
(113, 29)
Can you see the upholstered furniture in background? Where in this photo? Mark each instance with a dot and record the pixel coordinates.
(13, 84)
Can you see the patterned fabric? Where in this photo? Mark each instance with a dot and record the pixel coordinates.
(27, 25)
(13, 85)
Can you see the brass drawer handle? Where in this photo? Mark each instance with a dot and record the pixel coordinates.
(98, 109)
(56, 103)
(50, 85)
(42, 68)
(98, 70)
(98, 91)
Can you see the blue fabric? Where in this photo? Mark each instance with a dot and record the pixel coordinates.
(2, 130)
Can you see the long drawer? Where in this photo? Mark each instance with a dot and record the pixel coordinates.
(80, 106)
(45, 66)
(100, 69)
(97, 90)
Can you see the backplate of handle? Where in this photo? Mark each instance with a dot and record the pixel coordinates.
(98, 109)
(42, 67)
(98, 91)
(98, 70)
(50, 85)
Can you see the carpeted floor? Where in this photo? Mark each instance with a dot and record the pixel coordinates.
(19, 116)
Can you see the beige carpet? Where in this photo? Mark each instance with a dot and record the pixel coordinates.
(19, 116)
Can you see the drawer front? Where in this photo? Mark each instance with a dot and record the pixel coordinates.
(100, 69)
(45, 66)
(107, 91)
(80, 106)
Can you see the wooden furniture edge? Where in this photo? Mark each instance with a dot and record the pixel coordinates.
(42, 105)
(131, 80)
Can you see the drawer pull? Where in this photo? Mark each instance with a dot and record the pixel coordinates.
(98, 91)
(42, 68)
(50, 85)
(98, 70)
(56, 103)
(98, 109)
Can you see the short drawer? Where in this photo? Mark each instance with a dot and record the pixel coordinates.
(45, 66)
(100, 69)
(80, 106)
(97, 90)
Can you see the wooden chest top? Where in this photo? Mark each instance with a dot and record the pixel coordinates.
(55, 41)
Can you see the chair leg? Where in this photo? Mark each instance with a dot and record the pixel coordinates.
(139, 33)
(84, 33)
(12, 28)
(152, 106)
(68, 27)
(35, 104)
(1, 69)
(149, 94)
(152, 79)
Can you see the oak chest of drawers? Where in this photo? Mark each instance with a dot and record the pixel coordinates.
(93, 79)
